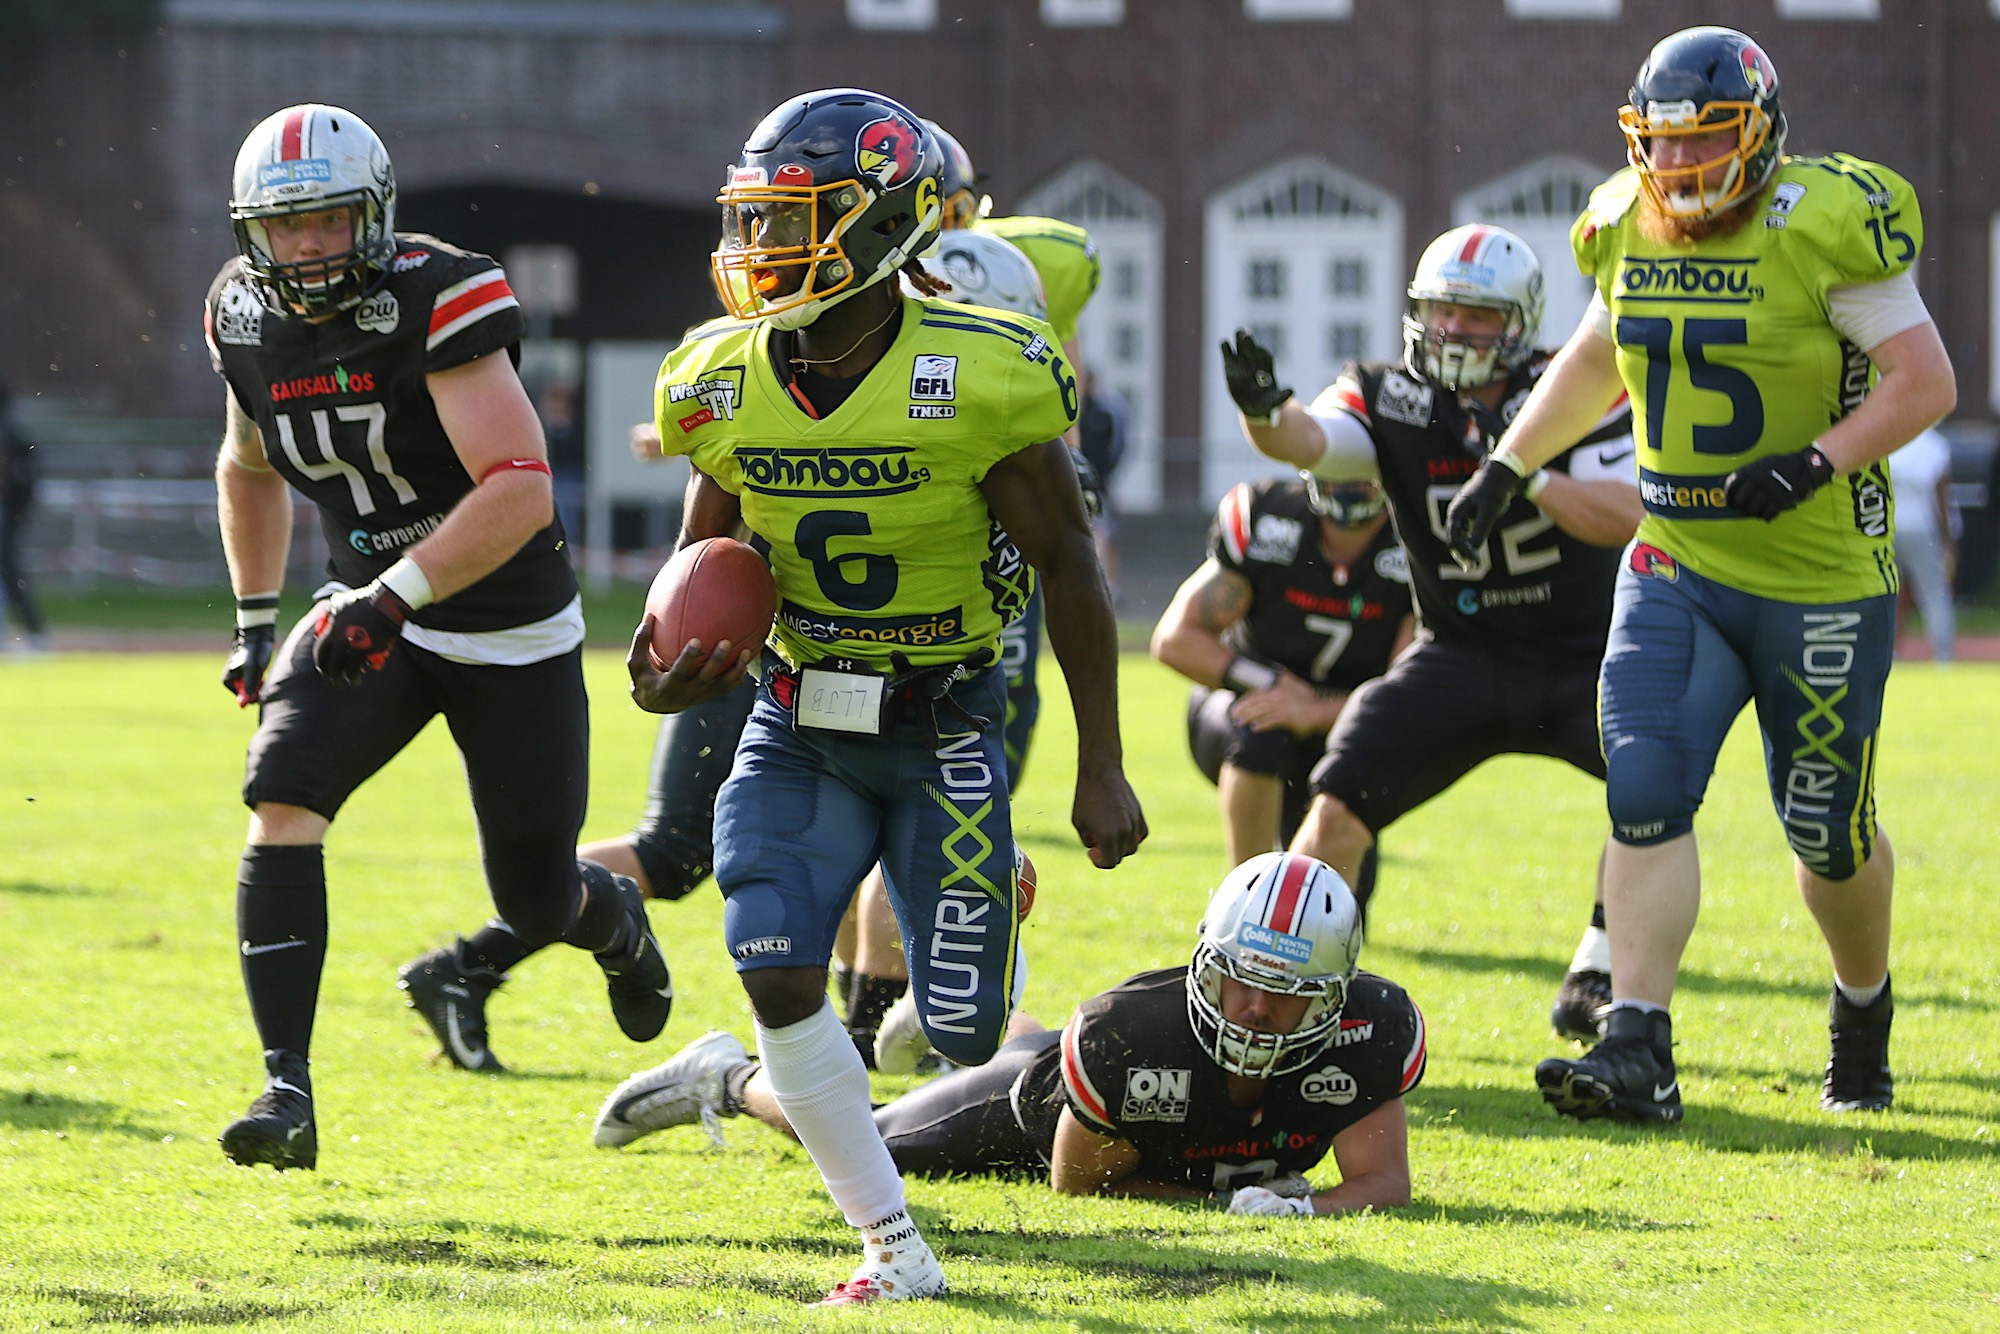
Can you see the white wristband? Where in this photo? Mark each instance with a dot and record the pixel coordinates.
(255, 609)
(407, 580)
(1538, 482)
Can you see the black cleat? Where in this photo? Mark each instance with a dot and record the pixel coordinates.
(1857, 1070)
(1581, 1004)
(451, 996)
(642, 992)
(278, 1129)
(1628, 1076)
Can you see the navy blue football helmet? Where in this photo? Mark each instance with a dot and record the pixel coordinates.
(1704, 81)
(960, 183)
(836, 190)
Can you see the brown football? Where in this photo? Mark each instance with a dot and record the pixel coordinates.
(711, 590)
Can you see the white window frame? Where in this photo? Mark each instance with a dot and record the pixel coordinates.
(893, 15)
(1562, 9)
(1312, 213)
(1129, 226)
(1993, 312)
(1294, 11)
(1538, 202)
(1862, 10)
(1083, 13)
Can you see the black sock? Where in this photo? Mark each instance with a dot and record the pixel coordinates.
(1597, 916)
(872, 998)
(843, 983)
(494, 946)
(599, 924)
(281, 936)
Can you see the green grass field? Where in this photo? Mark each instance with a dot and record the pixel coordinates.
(450, 1201)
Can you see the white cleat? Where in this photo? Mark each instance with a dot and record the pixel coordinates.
(686, 1088)
(901, 1044)
(890, 1276)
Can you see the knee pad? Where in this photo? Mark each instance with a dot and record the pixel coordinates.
(1646, 793)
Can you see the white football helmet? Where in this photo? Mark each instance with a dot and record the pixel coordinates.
(1475, 265)
(1285, 923)
(987, 270)
(301, 160)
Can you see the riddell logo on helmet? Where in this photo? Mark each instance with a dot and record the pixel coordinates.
(887, 151)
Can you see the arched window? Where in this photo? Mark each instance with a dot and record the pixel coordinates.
(1310, 259)
(1120, 328)
(1538, 203)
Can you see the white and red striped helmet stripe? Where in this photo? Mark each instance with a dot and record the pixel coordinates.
(1287, 882)
(289, 141)
(1474, 242)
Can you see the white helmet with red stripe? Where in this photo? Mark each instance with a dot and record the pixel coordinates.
(1288, 924)
(1475, 265)
(302, 160)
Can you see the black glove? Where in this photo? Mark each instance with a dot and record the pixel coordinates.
(1477, 507)
(355, 632)
(1087, 481)
(1765, 488)
(1253, 378)
(256, 637)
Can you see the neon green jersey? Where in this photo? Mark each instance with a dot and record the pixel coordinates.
(880, 536)
(1727, 351)
(1065, 257)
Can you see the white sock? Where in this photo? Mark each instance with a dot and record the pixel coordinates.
(1642, 1006)
(1593, 952)
(1860, 996)
(819, 1080)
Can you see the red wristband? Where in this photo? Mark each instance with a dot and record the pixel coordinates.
(518, 465)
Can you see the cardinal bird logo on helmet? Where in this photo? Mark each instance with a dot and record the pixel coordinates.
(888, 150)
(1758, 72)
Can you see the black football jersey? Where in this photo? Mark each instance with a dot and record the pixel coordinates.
(348, 420)
(1336, 627)
(1129, 1066)
(1537, 595)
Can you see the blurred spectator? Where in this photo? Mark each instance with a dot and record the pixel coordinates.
(566, 454)
(1926, 540)
(1102, 426)
(17, 501)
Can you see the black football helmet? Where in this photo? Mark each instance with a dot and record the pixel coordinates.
(836, 190)
(1348, 503)
(1699, 81)
(959, 183)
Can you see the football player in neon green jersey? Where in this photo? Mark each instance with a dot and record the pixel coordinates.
(900, 457)
(1761, 312)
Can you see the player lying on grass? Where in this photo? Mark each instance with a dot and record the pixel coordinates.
(1229, 1078)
